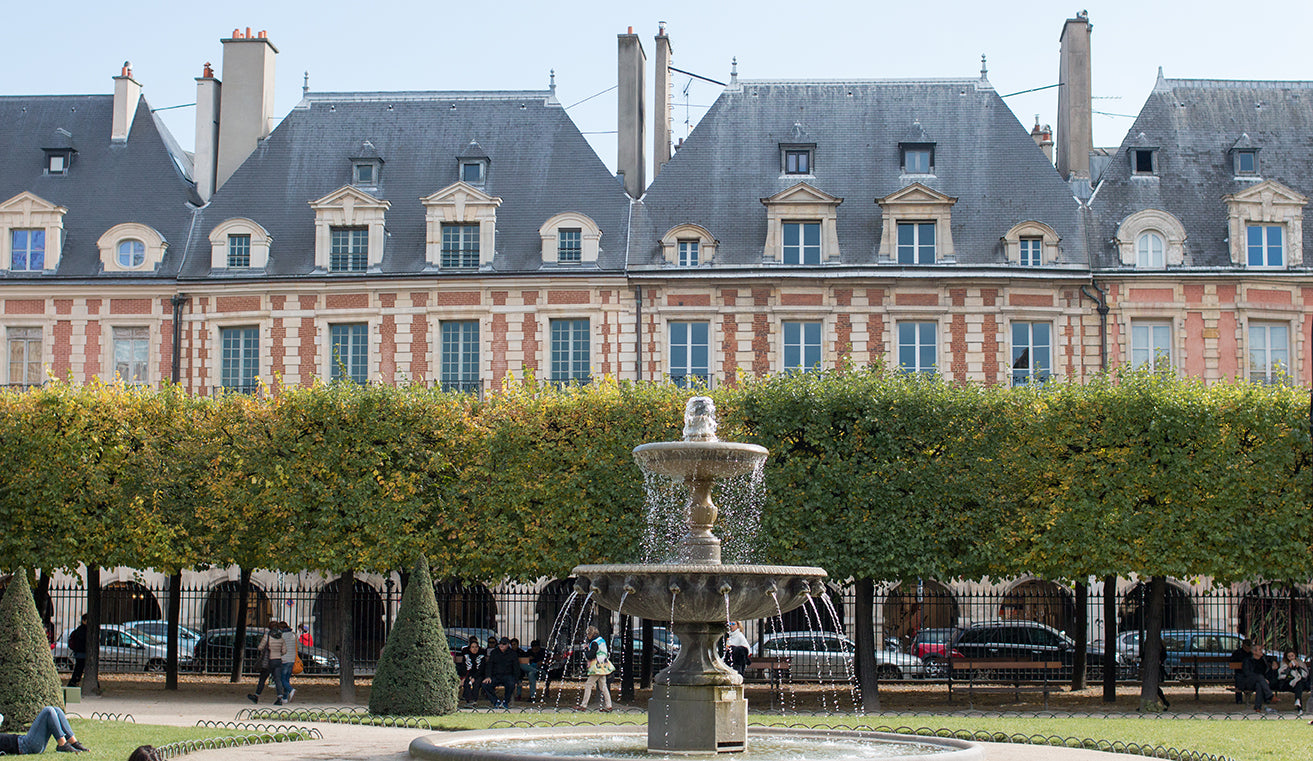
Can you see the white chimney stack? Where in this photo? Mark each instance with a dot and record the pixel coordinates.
(126, 94)
(246, 105)
(632, 123)
(206, 160)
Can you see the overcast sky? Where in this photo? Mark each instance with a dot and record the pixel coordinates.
(78, 45)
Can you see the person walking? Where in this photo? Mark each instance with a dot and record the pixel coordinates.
(277, 646)
(289, 663)
(266, 671)
(599, 668)
(77, 643)
(49, 722)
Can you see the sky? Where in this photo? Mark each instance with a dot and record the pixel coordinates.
(388, 45)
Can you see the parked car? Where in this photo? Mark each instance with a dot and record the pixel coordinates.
(829, 656)
(1024, 641)
(121, 649)
(214, 653)
(932, 642)
(159, 630)
(1181, 644)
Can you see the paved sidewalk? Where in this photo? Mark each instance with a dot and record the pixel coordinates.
(366, 743)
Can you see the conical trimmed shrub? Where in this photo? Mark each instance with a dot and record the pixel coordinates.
(415, 675)
(28, 680)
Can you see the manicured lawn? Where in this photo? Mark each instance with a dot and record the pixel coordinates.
(116, 739)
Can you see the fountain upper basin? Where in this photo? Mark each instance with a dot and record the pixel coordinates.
(703, 589)
(699, 460)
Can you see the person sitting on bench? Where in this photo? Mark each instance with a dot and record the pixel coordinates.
(1253, 676)
(1239, 656)
(1292, 676)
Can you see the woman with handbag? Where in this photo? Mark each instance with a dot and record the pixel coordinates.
(290, 662)
(266, 671)
(599, 668)
(275, 644)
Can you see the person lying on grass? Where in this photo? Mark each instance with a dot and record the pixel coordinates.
(50, 722)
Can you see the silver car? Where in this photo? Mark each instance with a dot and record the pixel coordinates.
(121, 649)
(828, 656)
(159, 631)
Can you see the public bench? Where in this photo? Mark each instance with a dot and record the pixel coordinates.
(1204, 670)
(773, 668)
(1004, 675)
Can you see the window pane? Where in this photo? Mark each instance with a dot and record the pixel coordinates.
(460, 355)
(460, 246)
(926, 243)
(1255, 241)
(570, 350)
(349, 352)
(1274, 257)
(569, 244)
(239, 250)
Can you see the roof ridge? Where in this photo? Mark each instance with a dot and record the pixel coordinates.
(425, 95)
(875, 81)
(1237, 83)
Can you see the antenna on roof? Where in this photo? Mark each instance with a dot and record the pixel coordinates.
(551, 85)
(305, 85)
(984, 69)
(734, 72)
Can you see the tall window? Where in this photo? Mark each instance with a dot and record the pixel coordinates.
(348, 249)
(569, 245)
(1151, 345)
(25, 357)
(690, 353)
(460, 246)
(1265, 247)
(1032, 352)
(1149, 251)
(132, 354)
(570, 351)
(131, 253)
(916, 347)
(460, 355)
(802, 242)
(27, 250)
(916, 242)
(1269, 352)
(239, 360)
(350, 352)
(688, 253)
(239, 250)
(802, 345)
(1030, 251)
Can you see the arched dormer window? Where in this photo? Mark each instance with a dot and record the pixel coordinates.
(688, 245)
(31, 233)
(239, 243)
(131, 247)
(570, 238)
(1031, 244)
(1151, 239)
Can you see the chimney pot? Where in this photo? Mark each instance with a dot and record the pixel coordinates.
(263, 34)
(248, 31)
(237, 33)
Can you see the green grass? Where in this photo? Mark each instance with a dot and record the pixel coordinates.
(116, 739)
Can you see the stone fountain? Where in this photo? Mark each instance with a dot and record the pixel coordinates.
(697, 702)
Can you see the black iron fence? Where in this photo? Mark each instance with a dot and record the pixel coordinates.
(926, 620)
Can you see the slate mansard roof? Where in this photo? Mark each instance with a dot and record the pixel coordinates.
(982, 156)
(139, 180)
(1194, 124)
(540, 165)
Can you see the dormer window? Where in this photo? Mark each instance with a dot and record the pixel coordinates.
(797, 160)
(59, 152)
(473, 172)
(239, 244)
(918, 159)
(57, 162)
(1246, 162)
(131, 253)
(365, 173)
(688, 245)
(1144, 161)
(569, 245)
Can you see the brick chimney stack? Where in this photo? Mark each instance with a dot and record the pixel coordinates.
(631, 162)
(1075, 105)
(246, 104)
(126, 95)
(661, 131)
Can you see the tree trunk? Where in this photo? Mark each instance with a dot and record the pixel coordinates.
(46, 608)
(645, 672)
(239, 640)
(174, 615)
(626, 659)
(1150, 673)
(91, 676)
(1082, 636)
(1110, 639)
(346, 598)
(867, 671)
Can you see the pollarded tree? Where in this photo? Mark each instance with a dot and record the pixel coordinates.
(28, 680)
(416, 675)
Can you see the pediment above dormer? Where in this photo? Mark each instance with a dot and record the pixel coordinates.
(916, 193)
(27, 204)
(463, 201)
(1268, 193)
(349, 196)
(800, 194)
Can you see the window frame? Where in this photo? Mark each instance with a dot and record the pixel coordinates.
(916, 248)
(137, 342)
(1156, 359)
(1238, 157)
(246, 352)
(1136, 154)
(456, 250)
(569, 348)
(1265, 247)
(136, 255)
(354, 367)
(802, 344)
(29, 234)
(918, 346)
(1033, 373)
(348, 258)
(789, 166)
(1145, 256)
(1271, 366)
(689, 252)
(682, 373)
(375, 171)
(1031, 249)
(239, 255)
(31, 370)
(482, 166)
(573, 254)
(907, 150)
(801, 249)
(460, 361)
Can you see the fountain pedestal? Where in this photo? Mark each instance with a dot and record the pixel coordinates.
(685, 718)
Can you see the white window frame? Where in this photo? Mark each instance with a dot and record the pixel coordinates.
(247, 384)
(918, 346)
(469, 379)
(1033, 372)
(133, 379)
(801, 345)
(1032, 251)
(572, 349)
(802, 248)
(1265, 247)
(1145, 255)
(1159, 355)
(331, 365)
(12, 335)
(682, 373)
(917, 247)
(1274, 369)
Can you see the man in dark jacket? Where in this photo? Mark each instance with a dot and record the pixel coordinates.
(77, 644)
(1239, 656)
(475, 664)
(1253, 676)
(503, 670)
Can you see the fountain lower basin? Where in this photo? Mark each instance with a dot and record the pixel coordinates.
(690, 592)
(554, 743)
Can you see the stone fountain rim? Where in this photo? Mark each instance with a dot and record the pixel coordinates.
(453, 745)
(717, 444)
(709, 569)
